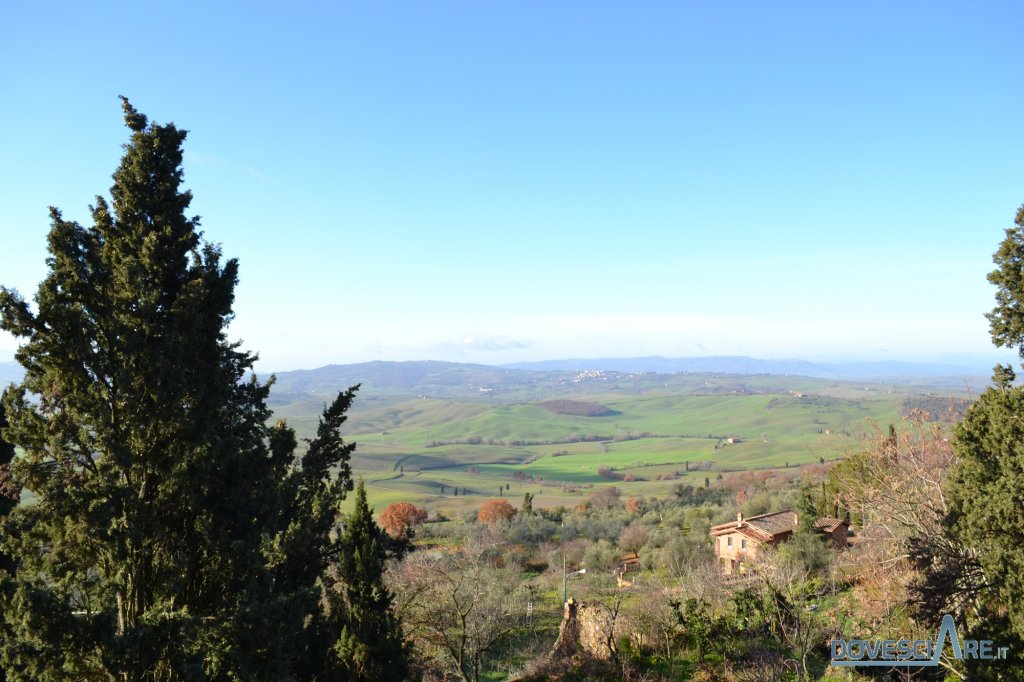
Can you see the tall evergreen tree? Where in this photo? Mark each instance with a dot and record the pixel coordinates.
(306, 547)
(9, 496)
(174, 535)
(9, 492)
(370, 646)
(143, 445)
(986, 487)
(1006, 320)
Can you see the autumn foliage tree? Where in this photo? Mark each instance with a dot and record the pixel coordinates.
(400, 518)
(494, 511)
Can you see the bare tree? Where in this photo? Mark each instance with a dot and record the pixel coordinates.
(632, 538)
(895, 491)
(459, 606)
(789, 601)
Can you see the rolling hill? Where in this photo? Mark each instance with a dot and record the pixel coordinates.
(428, 429)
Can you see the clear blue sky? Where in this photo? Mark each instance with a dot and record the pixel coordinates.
(502, 181)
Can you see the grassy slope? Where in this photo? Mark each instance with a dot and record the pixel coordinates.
(774, 430)
(397, 416)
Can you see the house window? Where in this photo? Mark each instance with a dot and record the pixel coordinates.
(743, 544)
(728, 541)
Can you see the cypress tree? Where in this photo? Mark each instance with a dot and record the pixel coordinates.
(173, 535)
(370, 646)
(985, 486)
(9, 496)
(306, 546)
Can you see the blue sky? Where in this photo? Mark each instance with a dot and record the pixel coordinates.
(505, 181)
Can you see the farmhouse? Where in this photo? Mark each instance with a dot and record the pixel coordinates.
(739, 541)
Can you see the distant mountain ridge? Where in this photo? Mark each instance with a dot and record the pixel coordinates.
(746, 365)
(439, 377)
(384, 376)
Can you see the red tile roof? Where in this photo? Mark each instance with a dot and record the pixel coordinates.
(766, 527)
(763, 527)
(828, 524)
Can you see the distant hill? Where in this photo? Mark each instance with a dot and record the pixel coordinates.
(852, 371)
(536, 381)
(426, 377)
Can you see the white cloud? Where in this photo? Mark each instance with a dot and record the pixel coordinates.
(473, 342)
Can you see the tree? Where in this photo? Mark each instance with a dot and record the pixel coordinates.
(173, 535)
(304, 562)
(1006, 320)
(400, 518)
(985, 497)
(9, 496)
(605, 498)
(982, 578)
(494, 511)
(600, 557)
(370, 646)
(527, 503)
(632, 538)
(459, 607)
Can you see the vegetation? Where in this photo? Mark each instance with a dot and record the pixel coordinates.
(370, 647)
(576, 407)
(459, 609)
(400, 518)
(9, 495)
(975, 571)
(495, 511)
(172, 533)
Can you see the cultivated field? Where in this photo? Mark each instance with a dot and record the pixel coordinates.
(443, 431)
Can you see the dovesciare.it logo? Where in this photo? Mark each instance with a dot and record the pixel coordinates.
(916, 653)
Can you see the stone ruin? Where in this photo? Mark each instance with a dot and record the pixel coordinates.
(590, 629)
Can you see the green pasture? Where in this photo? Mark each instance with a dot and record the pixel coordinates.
(394, 436)
(417, 423)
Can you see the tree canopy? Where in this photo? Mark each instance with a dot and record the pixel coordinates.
(370, 646)
(9, 496)
(1006, 320)
(174, 534)
(493, 511)
(986, 486)
(399, 518)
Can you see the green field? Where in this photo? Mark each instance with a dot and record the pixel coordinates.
(660, 429)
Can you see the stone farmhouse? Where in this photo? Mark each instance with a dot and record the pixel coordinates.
(739, 541)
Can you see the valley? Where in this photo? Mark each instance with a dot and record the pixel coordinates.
(449, 436)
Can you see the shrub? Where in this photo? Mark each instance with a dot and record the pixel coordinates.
(600, 557)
